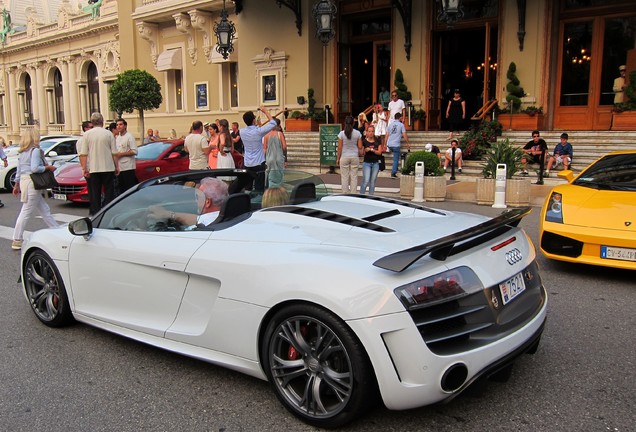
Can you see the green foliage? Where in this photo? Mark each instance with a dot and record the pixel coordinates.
(135, 89)
(297, 115)
(400, 87)
(477, 140)
(532, 110)
(630, 93)
(419, 114)
(502, 152)
(515, 92)
(431, 163)
(311, 103)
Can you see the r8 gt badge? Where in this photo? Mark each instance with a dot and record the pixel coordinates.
(513, 256)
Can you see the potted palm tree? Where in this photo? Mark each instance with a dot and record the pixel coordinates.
(434, 180)
(517, 189)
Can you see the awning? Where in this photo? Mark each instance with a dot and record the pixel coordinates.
(169, 59)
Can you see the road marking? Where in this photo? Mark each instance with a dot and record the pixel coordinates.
(6, 232)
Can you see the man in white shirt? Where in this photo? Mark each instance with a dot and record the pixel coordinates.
(197, 147)
(98, 157)
(396, 106)
(126, 152)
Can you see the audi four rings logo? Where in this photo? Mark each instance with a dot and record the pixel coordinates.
(513, 256)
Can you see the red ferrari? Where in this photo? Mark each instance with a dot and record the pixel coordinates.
(153, 159)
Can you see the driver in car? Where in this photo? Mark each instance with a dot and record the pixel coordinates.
(210, 195)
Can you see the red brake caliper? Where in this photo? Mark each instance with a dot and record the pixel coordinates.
(292, 353)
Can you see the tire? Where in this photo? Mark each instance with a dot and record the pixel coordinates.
(318, 368)
(45, 290)
(9, 180)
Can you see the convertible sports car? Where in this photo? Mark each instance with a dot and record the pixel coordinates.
(153, 159)
(592, 219)
(336, 300)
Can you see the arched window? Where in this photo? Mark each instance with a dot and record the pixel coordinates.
(58, 97)
(28, 100)
(93, 89)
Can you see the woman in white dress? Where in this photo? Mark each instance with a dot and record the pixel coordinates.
(379, 120)
(226, 146)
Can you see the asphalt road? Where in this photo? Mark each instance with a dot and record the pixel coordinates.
(583, 377)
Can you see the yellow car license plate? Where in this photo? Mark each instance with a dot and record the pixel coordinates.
(617, 253)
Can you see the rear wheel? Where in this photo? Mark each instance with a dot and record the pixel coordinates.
(317, 366)
(45, 291)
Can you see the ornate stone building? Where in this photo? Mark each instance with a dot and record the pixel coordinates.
(56, 61)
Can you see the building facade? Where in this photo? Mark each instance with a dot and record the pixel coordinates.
(567, 54)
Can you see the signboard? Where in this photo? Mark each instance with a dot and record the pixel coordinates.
(329, 143)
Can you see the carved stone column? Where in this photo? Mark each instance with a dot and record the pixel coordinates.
(39, 88)
(13, 100)
(74, 94)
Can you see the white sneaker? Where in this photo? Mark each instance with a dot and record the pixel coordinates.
(16, 245)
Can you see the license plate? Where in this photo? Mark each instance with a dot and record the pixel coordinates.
(512, 288)
(616, 253)
(59, 196)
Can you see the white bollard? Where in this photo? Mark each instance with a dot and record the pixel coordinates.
(500, 187)
(418, 190)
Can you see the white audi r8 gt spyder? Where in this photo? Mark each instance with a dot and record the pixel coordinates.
(339, 301)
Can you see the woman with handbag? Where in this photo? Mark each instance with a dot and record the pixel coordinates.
(30, 161)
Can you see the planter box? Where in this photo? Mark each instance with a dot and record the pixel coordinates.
(517, 192)
(434, 187)
(521, 121)
(298, 125)
(624, 121)
(407, 186)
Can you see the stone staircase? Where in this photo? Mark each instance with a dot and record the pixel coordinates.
(304, 148)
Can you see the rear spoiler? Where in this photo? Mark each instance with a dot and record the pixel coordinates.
(441, 248)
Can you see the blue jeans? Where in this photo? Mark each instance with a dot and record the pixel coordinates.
(369, 176)
(396, 160)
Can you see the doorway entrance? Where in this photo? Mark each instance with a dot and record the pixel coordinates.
(463, 59)
(591, 50)
(364, 61)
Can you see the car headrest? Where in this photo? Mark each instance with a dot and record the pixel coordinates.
(235, 205)
(302, 193)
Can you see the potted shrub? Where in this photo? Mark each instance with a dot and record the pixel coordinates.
(513, 117)
(434, 181)
(401, 89)
(624, 114)
(419, 120)
(477, 140)
(304, 121)
(517, 189)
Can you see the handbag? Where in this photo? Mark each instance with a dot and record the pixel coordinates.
(382, 163)
(44, 180)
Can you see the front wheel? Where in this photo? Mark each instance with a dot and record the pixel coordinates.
(9, 180)
(317, 366)
(45, 291)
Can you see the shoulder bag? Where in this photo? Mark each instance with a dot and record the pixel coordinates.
(43, 180)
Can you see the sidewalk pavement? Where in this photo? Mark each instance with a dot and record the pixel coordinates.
(462, 189)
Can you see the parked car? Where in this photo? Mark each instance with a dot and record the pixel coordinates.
(592, 218)
(56, 151)
(153, 159)
(338, 302)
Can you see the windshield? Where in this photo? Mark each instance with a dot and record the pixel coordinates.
(614, 172)
(47, 144)
(152, 151)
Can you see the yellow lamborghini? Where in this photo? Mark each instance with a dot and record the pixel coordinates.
(592, 219)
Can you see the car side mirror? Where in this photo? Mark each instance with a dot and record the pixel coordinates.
(52, 153)
(174, 155)
(81, 227)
